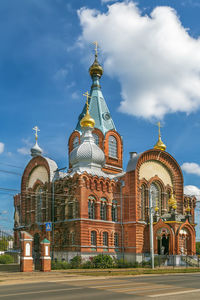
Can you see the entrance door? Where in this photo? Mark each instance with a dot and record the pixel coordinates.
(163, 245)
(36, 251)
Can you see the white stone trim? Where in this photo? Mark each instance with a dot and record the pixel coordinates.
(87, 219)
(45, 257)
(110, 166)
(26, 258)
(30, 240)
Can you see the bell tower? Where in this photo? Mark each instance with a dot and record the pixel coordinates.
(104, 132)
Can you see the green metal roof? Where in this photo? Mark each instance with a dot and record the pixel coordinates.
(45, 241)
(97, 109)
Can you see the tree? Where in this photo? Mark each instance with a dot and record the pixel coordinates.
(198, 247)
(3, 244)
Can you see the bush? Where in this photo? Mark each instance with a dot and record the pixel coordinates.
(122, 263)
(75, 262)
(60, 265)
(6, 259)
(87, 265)
(102, 261)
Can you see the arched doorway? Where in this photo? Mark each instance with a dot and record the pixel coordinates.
(36, 251)
(163, 236)
(184, 241)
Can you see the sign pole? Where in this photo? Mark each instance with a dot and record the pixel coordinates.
(151, 228)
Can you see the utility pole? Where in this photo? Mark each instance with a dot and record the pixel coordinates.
(151, 228)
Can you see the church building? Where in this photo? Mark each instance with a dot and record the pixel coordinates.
(98, 205)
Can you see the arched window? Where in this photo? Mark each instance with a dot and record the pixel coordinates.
(93, 238)
(96, 139)
(101, 186)
(168, 196)
(28, 249)
(105, 239)
(107, 187)
(155, 191)
(103, 208)
(91, 208)
(95, 185)
(114, 211)
(116, 239)
(72, 237)
(39, 193)
(75, 142)
(112, 144)
(70, 210)
(143, 194)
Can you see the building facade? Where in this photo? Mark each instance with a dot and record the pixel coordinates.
(96, 206)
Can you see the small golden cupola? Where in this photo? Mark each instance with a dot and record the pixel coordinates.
(188, 209)
(172, 201)
(87, 120)
(96, 69)
(160, 145)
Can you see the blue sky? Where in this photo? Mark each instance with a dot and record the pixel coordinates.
(150, 53)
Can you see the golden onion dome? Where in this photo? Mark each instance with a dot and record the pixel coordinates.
(160, 145)
(172, 201)
(187, 209)
(96, 68)
(87, 120)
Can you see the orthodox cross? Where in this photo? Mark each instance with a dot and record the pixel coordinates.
(96, 48)
(87, 97)
(159, 128)
(36, 129)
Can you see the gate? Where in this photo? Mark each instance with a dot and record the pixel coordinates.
(36, 251)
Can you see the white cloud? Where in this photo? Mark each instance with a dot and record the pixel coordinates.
(154, 58)
(191, 168)
(24, 150)
(106, 1)
(2, 147)
(75, 95)
(192, 190)
(61, 74)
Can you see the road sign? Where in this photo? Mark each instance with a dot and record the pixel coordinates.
(48, 226)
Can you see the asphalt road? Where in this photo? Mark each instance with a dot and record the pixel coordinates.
(170, 287)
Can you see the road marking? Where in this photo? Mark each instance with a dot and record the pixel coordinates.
(40, 292)
(139, 290)
(117, 285)
(174, 293)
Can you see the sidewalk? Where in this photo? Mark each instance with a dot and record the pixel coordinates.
(10, 277)
(7, 278)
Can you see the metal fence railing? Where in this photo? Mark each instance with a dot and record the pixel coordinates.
(171, 261)
(6, 241)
